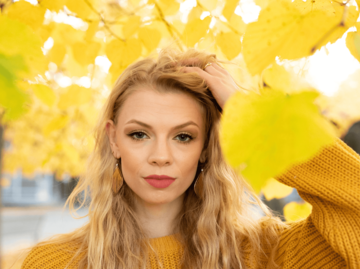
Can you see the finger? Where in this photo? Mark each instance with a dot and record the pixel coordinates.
(219, 68)
(215, 70)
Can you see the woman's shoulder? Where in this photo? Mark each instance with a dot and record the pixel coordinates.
(52, 256)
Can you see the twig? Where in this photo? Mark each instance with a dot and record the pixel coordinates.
(341, 24)
(169, 27)
(103, 21)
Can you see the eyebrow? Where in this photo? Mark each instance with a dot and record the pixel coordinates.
(174, 128)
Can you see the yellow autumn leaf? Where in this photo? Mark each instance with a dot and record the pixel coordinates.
(271, 131)
(277, 77)
(74, 96)
(135, 3)
(229, 8)
(45, 31)
(208, 43)
(67, 35)
(70, 152)
(71, 67)
(324, 5)
(195, 13)
(286, 80)
(229, 44)
(19, 39)
(237, 22)
(208, 4)
(262, 3)
(115, 71)
(90, 113)
(282, 30)
(55, 124)
(123, 53)
(345, 17)
(91, 31)
(195, 30)
(57, 54)
(275, 189)
(53, 5)
(294, 211)
(149, 37)
(169, 7)
(31, 15)
(353, 44)
(82, 8)
(44, 93)
(131, 26)
(179, 26)
(86, 52)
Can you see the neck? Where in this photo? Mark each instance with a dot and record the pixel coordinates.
(158, 220)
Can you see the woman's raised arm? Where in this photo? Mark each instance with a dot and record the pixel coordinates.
(330, 236)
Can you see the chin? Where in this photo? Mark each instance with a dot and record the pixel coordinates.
(158, 198)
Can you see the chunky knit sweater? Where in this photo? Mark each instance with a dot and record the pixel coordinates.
(328, 238)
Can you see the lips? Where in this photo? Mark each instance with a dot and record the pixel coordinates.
(158, 177)
(159, 182)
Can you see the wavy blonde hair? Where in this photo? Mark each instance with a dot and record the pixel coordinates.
(214, 231)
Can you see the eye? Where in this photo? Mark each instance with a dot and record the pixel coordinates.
(184, 138)
(137, 135)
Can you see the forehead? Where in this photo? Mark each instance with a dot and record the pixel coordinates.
(171, 108)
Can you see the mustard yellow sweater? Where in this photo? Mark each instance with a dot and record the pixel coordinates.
(328, 238)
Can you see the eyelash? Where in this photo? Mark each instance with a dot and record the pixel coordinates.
(141, 132)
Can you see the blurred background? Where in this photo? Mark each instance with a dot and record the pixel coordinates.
(64, 57)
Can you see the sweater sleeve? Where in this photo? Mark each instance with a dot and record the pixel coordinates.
(330, 236)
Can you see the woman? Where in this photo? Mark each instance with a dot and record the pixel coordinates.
(163, 196)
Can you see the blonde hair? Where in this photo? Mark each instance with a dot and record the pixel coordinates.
(212, 230)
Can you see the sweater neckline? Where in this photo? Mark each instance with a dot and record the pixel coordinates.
(167, 244)
(162, 238)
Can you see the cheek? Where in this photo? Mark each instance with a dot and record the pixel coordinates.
(188, 164)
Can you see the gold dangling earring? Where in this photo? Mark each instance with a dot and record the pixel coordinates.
(199, 185)
(118, 180)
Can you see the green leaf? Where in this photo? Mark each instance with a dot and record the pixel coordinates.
(12, 98)
(19, 39)
(262, 135)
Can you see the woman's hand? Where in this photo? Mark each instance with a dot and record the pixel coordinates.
(220, 82)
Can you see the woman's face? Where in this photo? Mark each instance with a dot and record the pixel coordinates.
(158, 134)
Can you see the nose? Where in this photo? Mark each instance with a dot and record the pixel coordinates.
(161, 154)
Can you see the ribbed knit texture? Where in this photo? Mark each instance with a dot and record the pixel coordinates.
(328, 238)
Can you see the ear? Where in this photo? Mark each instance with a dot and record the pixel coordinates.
(203, 156)
(111, 133)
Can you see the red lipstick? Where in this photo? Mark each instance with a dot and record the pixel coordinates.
(159, 182)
